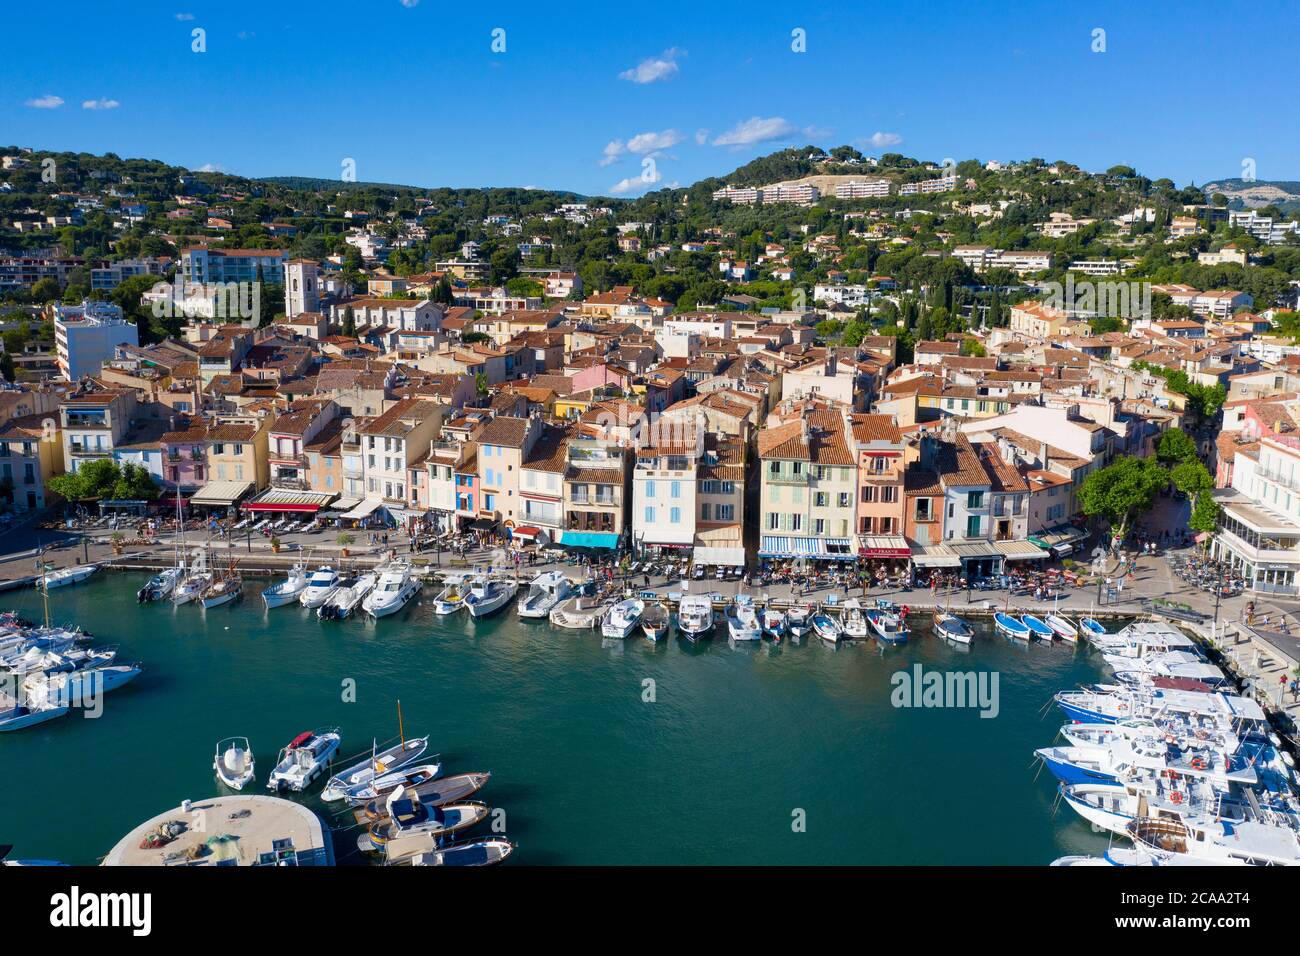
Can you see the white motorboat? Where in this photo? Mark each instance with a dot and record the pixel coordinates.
(376, 765)
(233, 762)
(695, 616)
(478, 851)
(488, 597)
(21, 716)
(452, 597)
(303, 760)
(773, 622)
(545, 591)
(407, 817)
(888, 624)
(799, 620)
(394, 590)
(76, 688)
(320, 585)
(742, 620)
(654, 622)
(159, 586)
(621, 619)
(411, 775)
(855, 621)
(65, 576)
(287, 591)
(347, 597)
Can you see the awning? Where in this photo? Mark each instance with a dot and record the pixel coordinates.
(483, 524)
(973, 549)
(525, 532)
(731, 557)
(883, 546)
(589, 539)
(344, 504)
(364, 510)
(934, 556)
(279, 499)
(1065, 534)
(221, 493)
(1019, 550)
(784, 546)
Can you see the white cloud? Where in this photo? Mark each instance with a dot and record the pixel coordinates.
(184, 16)
(47, 102)
(637, 184)
(881, 140)
(654, 68)
(756, 129)
(100, 104)
(701, 136)
(613, 150)
(410, 3)
(210, 168)
(649, 142)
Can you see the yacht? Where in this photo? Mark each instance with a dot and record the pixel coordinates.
(65, 576)
(191, 587)
(695, 616)
(347, 597)
(489, 596)
(287, 591)
(303, 760)
(19, 716)
(159, 586)
(742, 620)
(320, 585)
(452, 597)
(77, 687)
(621, 619)
(394, 590)
(546, 591)
(1220, 843)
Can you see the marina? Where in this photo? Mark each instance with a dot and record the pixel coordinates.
(767, 727)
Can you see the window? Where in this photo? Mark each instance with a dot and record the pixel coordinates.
(705, 511)
(675, 490)
(868, 493)
(819, 526)
(726, 512)
(796, 522)
(649, 516)
(773, 521)
(922, 509)
(819, 499)
(490, 502)
(675, 515)
(975, 499)
(973, 526)
(845, 499)
(649, 489)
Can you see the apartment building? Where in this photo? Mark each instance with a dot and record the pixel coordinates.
(541, 486)
(597, 491)
(866, 189)
(720, 498)
(1259, 528)
(393, 444)
(878, 446)
(87, 335)
(31, 451)
(808, 490)
(503, 444)
(203, 265)
(94, 423)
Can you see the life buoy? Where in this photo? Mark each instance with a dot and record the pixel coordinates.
(1176, 796)
(1198, 763)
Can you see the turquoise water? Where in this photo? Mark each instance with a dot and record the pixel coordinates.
(715, 770)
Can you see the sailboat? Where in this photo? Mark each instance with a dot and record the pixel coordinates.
(227, 588)
(377, 764)
(161, 585)
(194, 583)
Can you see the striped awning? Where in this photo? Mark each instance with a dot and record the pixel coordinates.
(279, 499)
(221, 492)
(789, 546)
(883, 546)
(1020, 550)
(934, 556)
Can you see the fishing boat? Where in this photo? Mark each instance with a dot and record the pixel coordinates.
(855, 621)
(578, 613)
(1091, 628)
(742, 620)
(1037, 627)
(65, 576)
(482, 851)
(889, 625)
(394, 590)
(225, 589)
(488, 597)
(304, 759)
(1011, 627)
(545, 592)
(654, 621)
(826, 627)
(407, 816)
(952, 627)
(1061, 627)
(695, 617)
(452, 596)
(773, 623)
(377, 764)
(799, 620)
(320, 585)
(622, 618)
(159, 586)
(433, 792)
(347, 597)
(412, 775)
(233, 762)
(1219, 843)
(287, 591)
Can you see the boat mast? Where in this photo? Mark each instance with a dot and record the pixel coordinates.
(400, 733)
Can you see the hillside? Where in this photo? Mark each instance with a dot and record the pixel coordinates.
(1255, 194)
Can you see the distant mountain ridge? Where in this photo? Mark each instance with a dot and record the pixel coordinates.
(1254, 194)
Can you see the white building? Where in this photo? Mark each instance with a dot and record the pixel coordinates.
(868, 189)
(86, 336)
(301, 287)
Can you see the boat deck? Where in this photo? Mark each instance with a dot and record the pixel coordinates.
(231, 831)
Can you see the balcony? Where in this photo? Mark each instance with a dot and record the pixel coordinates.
(1278, 478)
(89, 451)
(788, 478)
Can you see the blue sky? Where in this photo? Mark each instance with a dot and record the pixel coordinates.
(413, 92)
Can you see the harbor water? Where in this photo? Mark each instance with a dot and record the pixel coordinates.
(600, 752)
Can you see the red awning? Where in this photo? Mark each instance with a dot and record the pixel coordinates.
(527, 532)
(274, 506)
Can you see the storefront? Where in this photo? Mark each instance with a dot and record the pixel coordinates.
(927, 558)
(1021, 551)
(727, 557)
(1060, 541)
(812, 549)
(280, 502)
(220, 495)
(530, 534)
(979, 559)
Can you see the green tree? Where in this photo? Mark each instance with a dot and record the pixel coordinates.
(104, 478)
(349, 322)
(1192, 478)
(1121, 490)
(481, 384)
(1175, 446)
(1205, 514)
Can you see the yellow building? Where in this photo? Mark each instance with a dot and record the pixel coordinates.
(31, 451)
